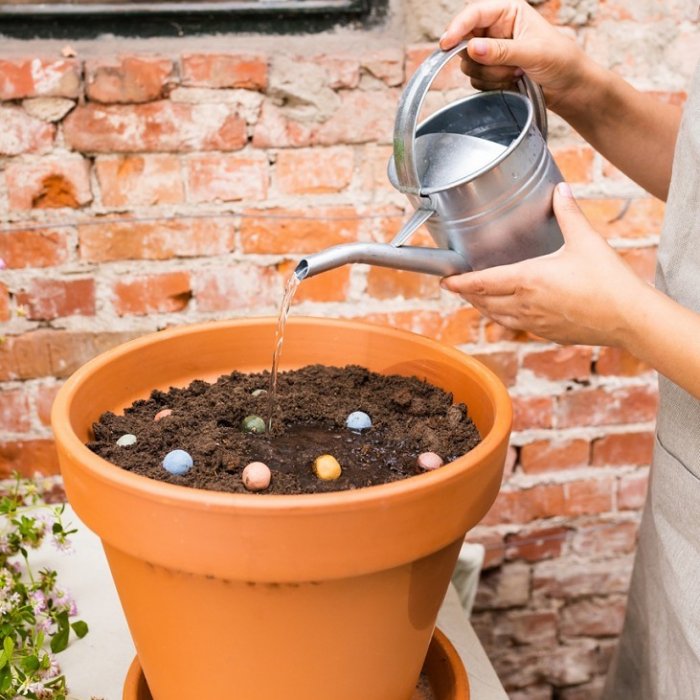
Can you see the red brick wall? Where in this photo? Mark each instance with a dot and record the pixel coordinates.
(173, 185)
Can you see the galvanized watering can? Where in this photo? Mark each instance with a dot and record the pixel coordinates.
(479, 175)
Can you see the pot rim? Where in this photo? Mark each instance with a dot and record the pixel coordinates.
(272, 504)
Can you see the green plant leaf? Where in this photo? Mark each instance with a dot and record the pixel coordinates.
(30, 663)
(8, 645)
(60, 640)
(80, 628)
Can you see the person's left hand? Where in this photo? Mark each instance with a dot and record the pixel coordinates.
(580, 294)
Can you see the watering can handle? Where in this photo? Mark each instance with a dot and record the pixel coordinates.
(410, 105)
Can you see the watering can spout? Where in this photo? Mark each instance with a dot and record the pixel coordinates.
(434, 261)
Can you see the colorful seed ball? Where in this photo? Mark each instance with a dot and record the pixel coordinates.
(429, 461)
(126, 440)
(327, 468)
(358, 421)
(163, 414)
(256, 476)
(259, 392)
(253, 424)
(178, 462)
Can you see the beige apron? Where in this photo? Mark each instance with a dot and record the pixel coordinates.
(658, 657)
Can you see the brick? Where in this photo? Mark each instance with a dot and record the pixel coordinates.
(588, 497)
(383, 223)
(387, 283)
(227, 178)
(332, 285)
(240, 287)
(49, 184)
(147, 180)
(44, 247)
(297, 230)
(28, 457)
(536, 544)
(128, 79)
(314, 170)
(586, 691)
(575, 163)
(45, 396)
(642, 261)
(386, 64)
(568, 579)
(536, 627)
(624, 449)
(493, 543)
(503, 364)
(619, 363)
(605, 539)
(229, 70)
(373, 160)
(634, 404)
(47, 299)
(341, 71)
(506, 587)
(274, 129)
(53, 353)
(632, 490)
(4, 303)
(165, 293)
(572, 363)
(450, 77)
(624, 218)
(532, 412)
(22, 133)
(495, 333)
(34, 77)
(593, 617)
(155, 240)
(526, 505)
(48, 109)
(544, 456)
(15, 411)
(154, 127)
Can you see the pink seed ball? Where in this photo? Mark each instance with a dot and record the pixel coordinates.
(429, 461)
(256, 476)
(163, 414)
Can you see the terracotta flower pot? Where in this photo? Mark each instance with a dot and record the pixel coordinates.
(305, 597)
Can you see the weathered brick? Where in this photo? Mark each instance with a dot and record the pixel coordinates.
(387, 283)
(14, 411)
(623, 449)
(42, 247)
(568, 578)
(314, 170)
(620, 363)
(4, 303)
(506, 587)
(22, 133)
(572, 362)
(227, 178)
(493, 543)
(532, 412)
(448, 78)
(274, 129)
(503, 364)
(343, 71)
(49, 183)
(537, 543)
(553, 455)
(387, 64)
(575, 163)
(297, 230)
(33, 77)
(158, 293)
(599, 406)
(53, 353)
(155, 126)
(373, 170)
(624, 218)
(537, 627)
(632, 490)
(588, 497)
(239, 287)
(46, 299)
(155, 240)
(526, 505)
(128, 79)
(594, 617)
(45, 395)
(604, 538)
(146, 180)
(225, 70)
(28, 457)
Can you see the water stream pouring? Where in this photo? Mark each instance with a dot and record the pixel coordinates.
(478, 174)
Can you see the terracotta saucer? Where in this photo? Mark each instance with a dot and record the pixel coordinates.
(443, 669)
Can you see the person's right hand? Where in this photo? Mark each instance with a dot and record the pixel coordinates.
(508, 37)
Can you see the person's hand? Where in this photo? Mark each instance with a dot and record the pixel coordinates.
(508, 37)
(580, 294)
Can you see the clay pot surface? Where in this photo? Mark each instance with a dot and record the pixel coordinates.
(331, 595)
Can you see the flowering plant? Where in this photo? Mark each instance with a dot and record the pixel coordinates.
(35, 612)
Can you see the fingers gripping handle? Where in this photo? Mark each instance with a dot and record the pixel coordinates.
(410, 105)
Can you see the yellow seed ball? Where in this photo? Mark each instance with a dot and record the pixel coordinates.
(326, 467)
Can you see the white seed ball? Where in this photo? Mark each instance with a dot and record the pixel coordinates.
(358, 421)
(126, 440)
(429, 461)
(256, 476)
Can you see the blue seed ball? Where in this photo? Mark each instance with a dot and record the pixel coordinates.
(358, 421)
(178, 462)
(126, 440)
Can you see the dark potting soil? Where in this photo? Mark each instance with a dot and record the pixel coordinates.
(409, 416)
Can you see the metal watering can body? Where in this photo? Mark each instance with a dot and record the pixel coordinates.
(479, 175)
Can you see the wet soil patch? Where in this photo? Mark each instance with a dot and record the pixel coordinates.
(409, 416)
